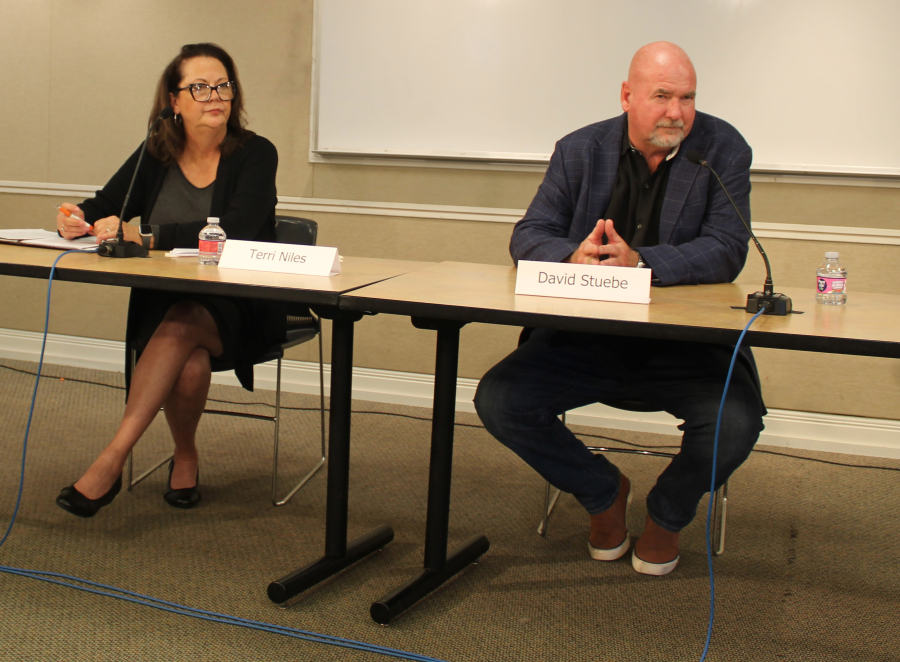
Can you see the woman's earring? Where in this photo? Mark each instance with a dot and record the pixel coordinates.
(177, 118)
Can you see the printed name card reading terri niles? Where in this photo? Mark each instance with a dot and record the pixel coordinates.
(583, 281)
(281, 258)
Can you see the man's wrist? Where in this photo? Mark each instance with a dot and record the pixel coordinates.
(639, 264)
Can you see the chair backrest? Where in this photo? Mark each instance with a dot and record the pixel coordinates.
(292, 230)
(301, 231)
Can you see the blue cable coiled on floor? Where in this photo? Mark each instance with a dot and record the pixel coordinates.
(163, 605)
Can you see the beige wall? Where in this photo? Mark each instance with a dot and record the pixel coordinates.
(78, 78)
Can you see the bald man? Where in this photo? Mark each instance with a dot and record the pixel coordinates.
(622, 193)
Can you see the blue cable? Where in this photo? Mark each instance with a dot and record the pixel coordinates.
(225, 619)
(215, 617)
(712, 487)
(37, 381)
(146, 600)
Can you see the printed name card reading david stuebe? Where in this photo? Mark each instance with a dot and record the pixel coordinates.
(583, 281)
(280, 258)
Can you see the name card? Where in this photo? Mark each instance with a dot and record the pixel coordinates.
(583, 281)
(280, 258)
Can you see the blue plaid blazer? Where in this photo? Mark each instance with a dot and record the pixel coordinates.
(701, 238)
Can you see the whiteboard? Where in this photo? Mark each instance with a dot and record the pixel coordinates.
(811, 85)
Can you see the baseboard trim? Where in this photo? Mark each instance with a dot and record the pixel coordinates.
(787, 429)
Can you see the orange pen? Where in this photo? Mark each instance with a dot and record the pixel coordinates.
(70, 214)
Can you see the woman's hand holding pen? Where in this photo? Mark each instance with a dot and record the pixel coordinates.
(70, 222)
(71, 225)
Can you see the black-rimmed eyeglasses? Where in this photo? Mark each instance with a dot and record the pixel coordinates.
(203, 92)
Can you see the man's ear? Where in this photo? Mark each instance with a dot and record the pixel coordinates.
(626, 96)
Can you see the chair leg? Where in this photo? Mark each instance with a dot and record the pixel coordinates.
(720, 513)
(720, 499)
(131, 482)
(322, 393)
(720, 506)
(321, 461)
(277, 421)
(549, 502)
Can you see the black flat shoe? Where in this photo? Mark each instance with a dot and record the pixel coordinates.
(185, 497)
(76, 503)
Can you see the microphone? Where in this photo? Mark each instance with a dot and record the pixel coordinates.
(774, 304)
(118, 247)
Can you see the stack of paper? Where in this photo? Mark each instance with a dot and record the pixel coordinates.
(183, 252)
(45, 239)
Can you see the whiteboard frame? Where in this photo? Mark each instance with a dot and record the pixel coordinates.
(528, 162)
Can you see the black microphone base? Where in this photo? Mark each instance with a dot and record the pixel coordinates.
(126, 249)
(776, 304)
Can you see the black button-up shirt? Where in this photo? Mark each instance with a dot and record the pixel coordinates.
(637, 196)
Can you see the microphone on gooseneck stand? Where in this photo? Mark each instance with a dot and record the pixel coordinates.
(118, 247)
(774, 304)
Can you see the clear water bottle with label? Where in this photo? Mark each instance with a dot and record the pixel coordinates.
(831, 281)
(212, 241)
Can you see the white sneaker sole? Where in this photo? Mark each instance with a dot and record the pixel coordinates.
(656, 569)
(615, 552)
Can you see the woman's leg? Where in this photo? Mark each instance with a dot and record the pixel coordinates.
(183, 410)
(186, 327)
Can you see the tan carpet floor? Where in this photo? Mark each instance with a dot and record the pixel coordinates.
(811, 571)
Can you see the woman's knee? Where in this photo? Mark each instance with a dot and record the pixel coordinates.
(189, 322)
(195, 374)
(184, 316)
(174, 327)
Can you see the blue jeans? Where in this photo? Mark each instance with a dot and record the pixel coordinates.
(519, 401)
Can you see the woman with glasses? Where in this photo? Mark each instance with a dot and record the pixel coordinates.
(201, 162)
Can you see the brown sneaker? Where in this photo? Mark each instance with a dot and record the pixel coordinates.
(656, 551)
(609, 535)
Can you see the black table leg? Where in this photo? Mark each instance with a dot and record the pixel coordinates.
(438, 567)
(338, 553)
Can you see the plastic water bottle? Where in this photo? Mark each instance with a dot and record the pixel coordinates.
(212, 241)
(831, 281)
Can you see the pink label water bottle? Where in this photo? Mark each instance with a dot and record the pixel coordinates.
(831, 281)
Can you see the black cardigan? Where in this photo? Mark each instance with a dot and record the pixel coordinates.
(244, 196)
(244, 201)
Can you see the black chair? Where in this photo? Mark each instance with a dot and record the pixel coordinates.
(551, 494)
(302, 327)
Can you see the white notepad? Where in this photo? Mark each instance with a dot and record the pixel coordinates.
(45, 239)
